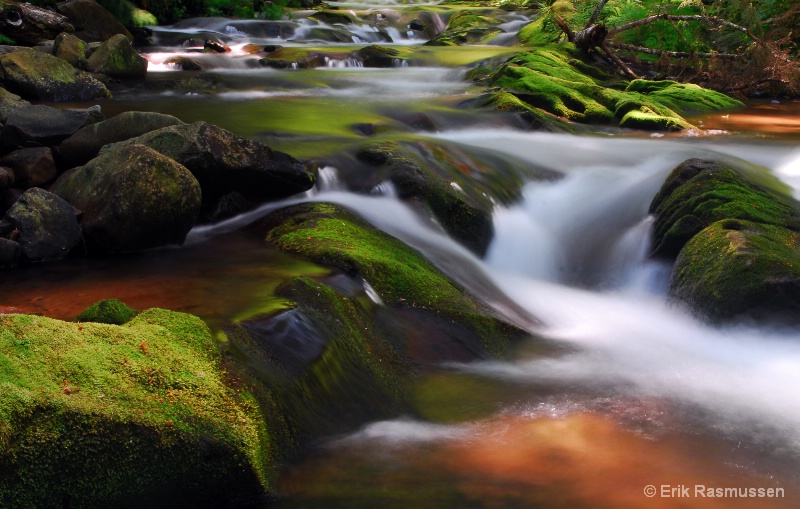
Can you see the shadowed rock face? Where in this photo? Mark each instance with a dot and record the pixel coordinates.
(30, 25)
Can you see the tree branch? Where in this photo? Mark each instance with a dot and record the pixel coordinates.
(676, 54)
(596, 12)
(693, 17)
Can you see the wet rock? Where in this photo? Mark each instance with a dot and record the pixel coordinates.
(332, 18)
(42, 125)
(467, 28)
(92, 21)
(132, 198)
(117, 58)
(377, 56)
(321, 34)
(39, 76)
(10, 252)
(184, 63)
(32, 167)
(71, 49)
(223, 162)
(6, 177)
(8, 102)
(29, 25)
(86, 143)
(470, 225)
(47, 225)
(736, 245)
(215, 47)
(230, 205)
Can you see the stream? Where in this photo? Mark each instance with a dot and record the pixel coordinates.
(632, 392)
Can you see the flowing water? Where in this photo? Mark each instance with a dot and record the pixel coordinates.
(631, 392)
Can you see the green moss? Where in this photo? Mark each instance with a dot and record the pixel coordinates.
(539, 32)
(738, 268)
(99, 415)
(467, 27)
(330, 235)
(110, 311)
(684, 98)
(699, 193)
(648, 120)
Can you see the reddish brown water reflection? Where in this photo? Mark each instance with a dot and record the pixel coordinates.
(763, 118)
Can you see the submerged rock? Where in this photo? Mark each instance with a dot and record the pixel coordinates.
(38, 76)
(223, 162)
(139, 415)
(736, 245)
(132, 198)
(48, 228)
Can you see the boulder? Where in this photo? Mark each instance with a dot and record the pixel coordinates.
(48, 228)
(29, 25)
(377, 56)
(71, 49)
(38, 76)
(223, 162)
(86, 143)
(9, 102)
(117, 58)
(736, 245)
(92, 21)
(32, 167)
(42, 125)
(137, 415)
(132, 198)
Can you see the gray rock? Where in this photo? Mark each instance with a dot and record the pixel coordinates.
(47, 226)
(33, 167)
(132, 198)
(86, 143)
(38, 76)
(92, 21)
(42, 125)
(117, 58)
(9, 102)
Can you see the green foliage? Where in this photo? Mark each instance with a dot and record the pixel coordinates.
(128, 14)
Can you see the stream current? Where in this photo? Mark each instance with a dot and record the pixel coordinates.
(633, 392)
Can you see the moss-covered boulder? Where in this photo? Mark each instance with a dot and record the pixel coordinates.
(378, 56)
(71, 49)
(404, 280)
(132, 198)
(86, 143)
(110, 311)
(467, 27)
(139, 415)
(117, 58)
(736, 245)
(48, 228)
(38, 76)
(555, 79)
(223, 162)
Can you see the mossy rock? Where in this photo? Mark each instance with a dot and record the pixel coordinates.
(530, 117)
(139, 415)
(736, 245)
(467, 27)
(555, 79)
(325, 363)
(332, 236)
(117, 58)
(684, 98)
(698, 193)
(734, 270)
(110, 311)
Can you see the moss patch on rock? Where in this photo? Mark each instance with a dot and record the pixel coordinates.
(110, 311)
(330, 235)
(555, 79)
(139, 415)
(736, 245)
